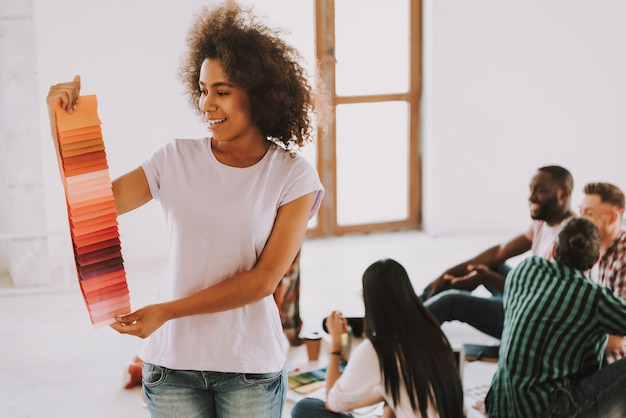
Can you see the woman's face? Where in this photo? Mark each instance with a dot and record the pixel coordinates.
(225, 105)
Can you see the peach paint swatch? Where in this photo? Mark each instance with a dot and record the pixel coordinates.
(91, 212)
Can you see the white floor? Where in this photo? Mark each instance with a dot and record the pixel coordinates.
(53, 363)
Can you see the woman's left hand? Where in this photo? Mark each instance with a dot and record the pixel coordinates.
(142, 322)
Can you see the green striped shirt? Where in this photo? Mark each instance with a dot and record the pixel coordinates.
(556, 322)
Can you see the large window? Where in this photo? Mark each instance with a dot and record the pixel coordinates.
(369, 161)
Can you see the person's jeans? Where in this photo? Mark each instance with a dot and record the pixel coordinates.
(486, 314)
(601, 395)
(315, 408)
(195, 394)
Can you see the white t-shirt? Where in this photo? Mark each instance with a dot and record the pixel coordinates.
(542, 237)
(219, 218)
(362, 376)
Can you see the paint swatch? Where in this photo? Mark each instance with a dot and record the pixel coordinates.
(91, 211)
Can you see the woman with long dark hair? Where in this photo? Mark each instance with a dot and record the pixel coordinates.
(405, 359)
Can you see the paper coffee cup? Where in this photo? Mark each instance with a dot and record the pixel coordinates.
(313, 343)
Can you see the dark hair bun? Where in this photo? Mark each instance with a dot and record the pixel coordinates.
(578, 244)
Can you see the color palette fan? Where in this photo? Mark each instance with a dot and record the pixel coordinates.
(91, 211)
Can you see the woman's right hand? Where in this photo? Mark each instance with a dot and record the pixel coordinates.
(67, 93)
(336, 324)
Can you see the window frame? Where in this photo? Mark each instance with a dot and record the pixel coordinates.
(326, 145)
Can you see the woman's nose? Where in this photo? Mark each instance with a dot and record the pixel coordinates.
(207, 104)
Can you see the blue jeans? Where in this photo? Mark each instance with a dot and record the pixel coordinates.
(484, 314)
(315, 408)
(601, 395)
(194, 394)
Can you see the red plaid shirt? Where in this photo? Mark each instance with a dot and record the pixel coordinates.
(612, 266)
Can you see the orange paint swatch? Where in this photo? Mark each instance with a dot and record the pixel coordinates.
(91, 212)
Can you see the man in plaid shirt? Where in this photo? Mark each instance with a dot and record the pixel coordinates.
(603, 204)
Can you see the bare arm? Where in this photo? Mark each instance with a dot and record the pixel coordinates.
(131, 191)
(491, 257)
(478, 274)
(244, 288)
(336, 325)
(495, 255)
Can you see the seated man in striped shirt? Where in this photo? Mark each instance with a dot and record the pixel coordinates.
(555, 329)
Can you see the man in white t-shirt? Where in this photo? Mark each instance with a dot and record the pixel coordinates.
(449, 296)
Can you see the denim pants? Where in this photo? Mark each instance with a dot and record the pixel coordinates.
(195, 394)
(315, 408)
(601, 395)
(486, 314)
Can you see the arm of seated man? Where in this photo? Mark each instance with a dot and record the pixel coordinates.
(491, 257)
(478, 274)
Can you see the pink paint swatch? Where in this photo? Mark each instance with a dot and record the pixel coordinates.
(91, 212)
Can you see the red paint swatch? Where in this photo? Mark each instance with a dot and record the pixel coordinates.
(91, 212)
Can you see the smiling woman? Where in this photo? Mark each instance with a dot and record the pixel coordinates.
(269, 72)
(237, 206)
(226, 108)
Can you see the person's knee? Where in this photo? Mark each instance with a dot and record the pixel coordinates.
(441, 305)
(307, 407)
(449, 305)
(446, 299)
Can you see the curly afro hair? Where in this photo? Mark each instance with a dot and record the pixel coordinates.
(255, 58)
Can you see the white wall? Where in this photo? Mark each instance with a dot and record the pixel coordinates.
(511, 86)
(23, 237)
